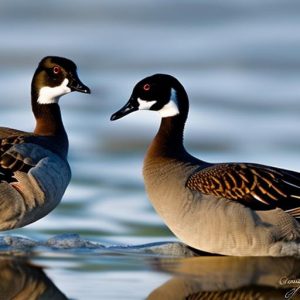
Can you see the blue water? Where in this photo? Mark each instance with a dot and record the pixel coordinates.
(240, 64)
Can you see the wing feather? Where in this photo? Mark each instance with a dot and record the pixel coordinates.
(12, 161)
(257, 186)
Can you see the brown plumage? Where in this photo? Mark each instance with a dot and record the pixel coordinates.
(227, 208)
(12, 161)
(34, 171)
(256, 186)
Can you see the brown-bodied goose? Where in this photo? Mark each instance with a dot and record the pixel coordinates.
(227, 208)
(34, 171)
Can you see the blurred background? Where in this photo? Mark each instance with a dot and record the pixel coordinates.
(238, 60)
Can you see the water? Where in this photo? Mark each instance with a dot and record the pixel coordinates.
(240, 64)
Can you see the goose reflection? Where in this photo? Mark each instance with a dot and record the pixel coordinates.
(20, 280)
(221, 277)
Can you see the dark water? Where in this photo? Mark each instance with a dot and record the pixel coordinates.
(240, 63)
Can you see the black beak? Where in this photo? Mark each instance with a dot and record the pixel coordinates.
(76, 85)
(128, 108)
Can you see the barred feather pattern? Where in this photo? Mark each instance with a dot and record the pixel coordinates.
(12, 161)
(256, 186)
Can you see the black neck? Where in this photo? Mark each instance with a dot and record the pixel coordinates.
(168, 141)
(48, 120)
(49, 124)
(169, 138)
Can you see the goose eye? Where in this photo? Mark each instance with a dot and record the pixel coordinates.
(56, 70)
(146, 87)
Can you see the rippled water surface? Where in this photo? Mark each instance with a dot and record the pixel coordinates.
(239, 62)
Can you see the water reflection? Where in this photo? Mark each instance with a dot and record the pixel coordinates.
(240, 63)
(230, 278)
(20, 280)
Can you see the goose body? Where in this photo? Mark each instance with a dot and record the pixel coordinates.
(34, 171)
(228, 208)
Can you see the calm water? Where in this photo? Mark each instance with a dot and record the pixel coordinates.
(240, 63)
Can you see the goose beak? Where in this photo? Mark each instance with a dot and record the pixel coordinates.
(128, 108)
(76, 85)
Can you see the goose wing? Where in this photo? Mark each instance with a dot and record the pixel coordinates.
(11, 160)
(256, 186)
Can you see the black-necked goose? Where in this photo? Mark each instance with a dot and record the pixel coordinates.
(227, 208)
(34, 171)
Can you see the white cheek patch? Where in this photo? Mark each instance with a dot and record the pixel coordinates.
(48, 95)
(145, 105)
(171, 108)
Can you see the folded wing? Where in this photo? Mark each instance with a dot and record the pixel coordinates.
(256, 186)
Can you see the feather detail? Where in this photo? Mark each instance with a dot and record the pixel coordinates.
(256, 186)
(12, 161)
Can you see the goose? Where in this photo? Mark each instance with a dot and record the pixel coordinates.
(240, 209)
(34, 171)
